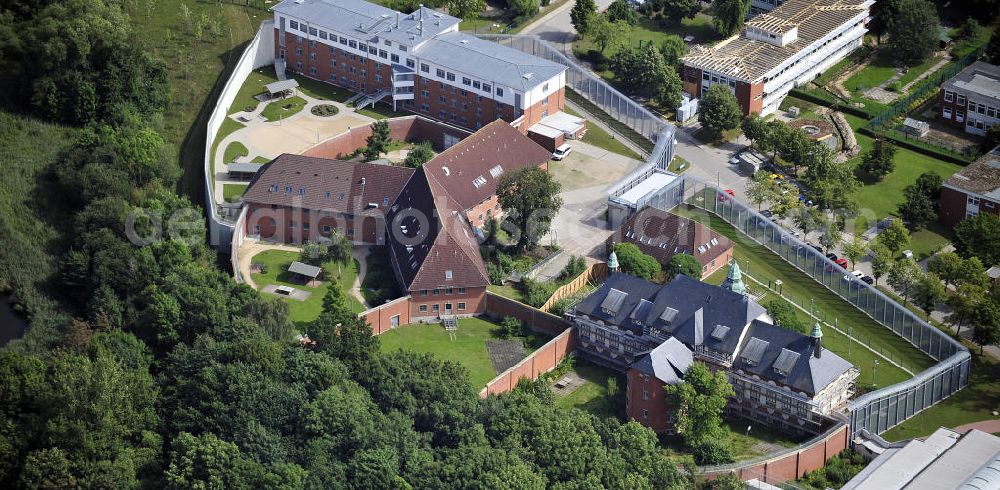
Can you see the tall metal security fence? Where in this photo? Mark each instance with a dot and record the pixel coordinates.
(882, 409)
(604, 96)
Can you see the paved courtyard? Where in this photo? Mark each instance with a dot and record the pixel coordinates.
(296, 134)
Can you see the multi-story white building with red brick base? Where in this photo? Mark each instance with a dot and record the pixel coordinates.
(419, 62)
(778, 51)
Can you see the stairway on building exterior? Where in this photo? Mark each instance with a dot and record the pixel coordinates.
(371, 100)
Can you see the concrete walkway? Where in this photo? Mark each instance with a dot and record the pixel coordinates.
(360, 254)
(295, 134)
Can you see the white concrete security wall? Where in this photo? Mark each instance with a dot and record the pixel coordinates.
(260, 52)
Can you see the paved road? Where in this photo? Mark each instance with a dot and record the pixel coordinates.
(556, 27)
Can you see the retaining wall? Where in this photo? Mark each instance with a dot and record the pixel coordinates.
(413, 129)
(260, 52)
(498, 307)
(380, 317)
(543, 360)
(788, 464)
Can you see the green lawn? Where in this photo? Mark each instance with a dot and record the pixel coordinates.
(233, 192)
(766, 266)
(649, 31)
(618, 126)
(592, 395)
(507, 291)
(758, 442)
(468, 348)
(283, 108)
(228, 127)
(600, 138)
(913, 72)
(253, 85)
(233, 151)
(873, 75)
(882, 198)
(840, 344)
(930, 240)
(807, 110)
(382, 110)
(260, 159)
(277, 262)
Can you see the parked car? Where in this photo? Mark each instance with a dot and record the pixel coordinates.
(766, 213)
(842, 262)
(831, 256)
(854, 275)
(817, 247)
(562, 151)
(868, 279)
(730, 192)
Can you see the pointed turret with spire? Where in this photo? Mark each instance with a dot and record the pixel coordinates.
(817, 339)
(613, 262)
(734, 279)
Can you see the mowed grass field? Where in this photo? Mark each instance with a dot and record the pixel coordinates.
(468, 348)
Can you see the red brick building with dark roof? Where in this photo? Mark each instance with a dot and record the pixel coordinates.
(424, 216)
(661, 235)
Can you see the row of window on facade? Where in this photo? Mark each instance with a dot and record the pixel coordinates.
(803, 57)
(436, 307)
(410, 62)
(331, 36)
(975, 201)
(302, 191)
(327, 229)
(959, 99)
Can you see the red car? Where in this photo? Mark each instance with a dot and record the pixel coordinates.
(842, 262)
(727, 191)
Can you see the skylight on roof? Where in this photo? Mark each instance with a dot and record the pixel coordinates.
(448, 275)
(720, 332)
(754, 351)
(668, 315)
(479, 181)
(496, 171)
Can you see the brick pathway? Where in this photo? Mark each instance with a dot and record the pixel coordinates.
(987, 426)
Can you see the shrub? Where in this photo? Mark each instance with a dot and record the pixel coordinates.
(537, 293)
(511, 327)
(574, 268)
(712, 451)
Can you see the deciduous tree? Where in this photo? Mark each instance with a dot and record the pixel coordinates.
(855, 250)
(928, 292)
(904, 277)
(466, 9)
(718, 110)
(530, 196)
(378, 141)
(684, 264)
(895, 238)
(633, 261)
(581, 14)
(729, 15)
(913, 31)
(878, 162)
(701, 398)
(979, 236)
(419, 155)
(620, 10)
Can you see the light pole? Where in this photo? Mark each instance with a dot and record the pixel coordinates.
(875, 365)
(748, 434)
(777, 284)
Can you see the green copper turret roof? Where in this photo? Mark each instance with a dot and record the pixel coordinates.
(734, 279)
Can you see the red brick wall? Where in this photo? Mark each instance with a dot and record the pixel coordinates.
(692, 80)
(794, 464)
(952, 209)
(498, 307)
(542, 109)
(539, 362)
(942, 104)
(276, 224)
(548, 143)
(720, 262)
(380, 317)
(750, 97)
(473, 298)
(647, 394)
(488, 209)
(412, 129)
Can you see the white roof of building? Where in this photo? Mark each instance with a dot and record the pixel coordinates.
(651, 184)
(431, 36)
(980, 78)
(944, 460)
(750, 59)
(558, 123)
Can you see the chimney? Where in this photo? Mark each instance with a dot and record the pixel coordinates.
(817, 340)
(397, 20)
(699, 327)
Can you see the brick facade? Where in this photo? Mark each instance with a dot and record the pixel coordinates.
(433, 99)
(950, 111)
(298, 225)
(646, 402)
(388, 316)
(430, 304)
(749, 95)
(954, 205)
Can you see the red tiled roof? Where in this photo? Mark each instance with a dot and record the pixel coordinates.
(662, 234)
(481, 159)
(320, 183)
(431, 243)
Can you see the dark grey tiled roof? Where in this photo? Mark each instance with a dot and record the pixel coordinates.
(792, 353)
(668, 362)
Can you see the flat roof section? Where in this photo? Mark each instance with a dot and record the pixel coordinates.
(980, 78)
(281, 86)
(750, 59)
(304, 269)
(652, 184)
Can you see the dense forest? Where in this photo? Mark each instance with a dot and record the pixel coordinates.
(145, 365)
